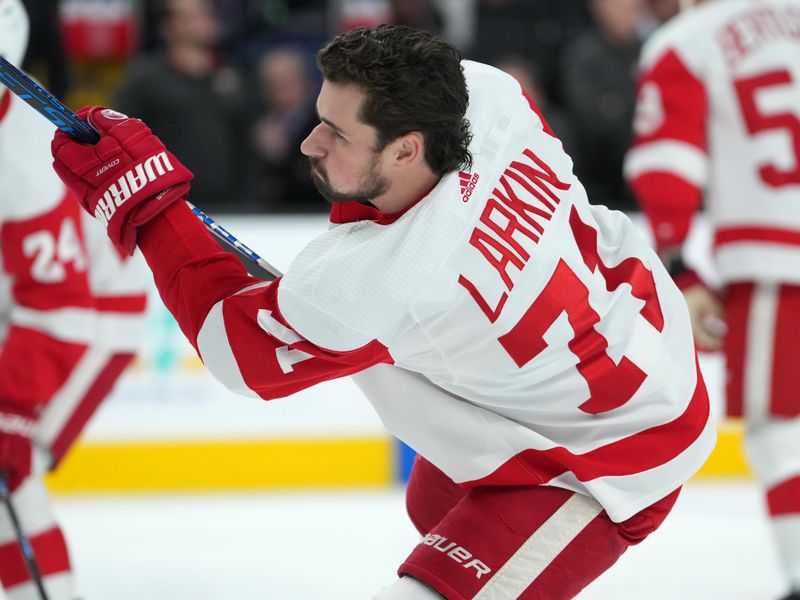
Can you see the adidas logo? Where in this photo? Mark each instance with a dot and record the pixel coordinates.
(467, 183)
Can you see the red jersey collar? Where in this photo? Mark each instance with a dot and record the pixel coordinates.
(350, 212)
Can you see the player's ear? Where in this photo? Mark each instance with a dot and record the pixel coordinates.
(408, 149)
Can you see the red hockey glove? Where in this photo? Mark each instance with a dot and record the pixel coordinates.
(125, 179)
(16, 431)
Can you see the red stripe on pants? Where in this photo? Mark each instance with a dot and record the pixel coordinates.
(51, 554)
(738, 299)
(591, 553)
(784, 498)
(784, 378)
(785, 399)
(594, 550)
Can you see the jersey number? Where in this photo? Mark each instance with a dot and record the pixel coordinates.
(757, 121)
(287, 357)
(51, 255)
(610, 385)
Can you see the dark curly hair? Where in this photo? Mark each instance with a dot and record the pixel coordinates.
(412, 81)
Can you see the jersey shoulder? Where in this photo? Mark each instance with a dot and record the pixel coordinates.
(690, 33)
(357, 282)
(493, 94)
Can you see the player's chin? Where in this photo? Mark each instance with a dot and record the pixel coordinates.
(325, 190)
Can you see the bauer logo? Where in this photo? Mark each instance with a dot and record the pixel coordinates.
(456, 553)
(130, 183)
(467, 183)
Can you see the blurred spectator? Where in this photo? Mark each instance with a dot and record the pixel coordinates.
(663, 10)
(188, 96)
(347, 14)
(599, 71)
(286, 116)
(535, 29)
(658, 13)
(459, 21)
(45, 55)
(524, 71)
(422, 14)
(249, 26)
(252, 26)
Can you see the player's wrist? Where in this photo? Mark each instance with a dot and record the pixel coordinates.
(682, 274)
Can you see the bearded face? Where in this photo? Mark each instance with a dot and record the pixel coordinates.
(370, 184)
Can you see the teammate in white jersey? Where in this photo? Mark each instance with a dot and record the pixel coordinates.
(532, 348)
(71, 310)
(718, 120)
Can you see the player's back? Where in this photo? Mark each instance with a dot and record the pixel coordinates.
(720, 98)
(553, 324)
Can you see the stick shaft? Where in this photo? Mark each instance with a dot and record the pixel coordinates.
(24, 543)
(269, 272)
(46, 104)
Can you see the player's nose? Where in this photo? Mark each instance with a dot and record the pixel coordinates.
(313, 144)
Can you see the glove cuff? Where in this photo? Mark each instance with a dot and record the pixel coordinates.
(16, 420)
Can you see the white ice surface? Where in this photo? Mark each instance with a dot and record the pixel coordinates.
(346, 545)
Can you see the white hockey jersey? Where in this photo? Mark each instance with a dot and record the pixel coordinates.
(522, 336)
(71, 307)
(718, 118)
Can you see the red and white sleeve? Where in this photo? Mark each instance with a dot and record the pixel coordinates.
(232, 319)
(44, 257)
(667, 166)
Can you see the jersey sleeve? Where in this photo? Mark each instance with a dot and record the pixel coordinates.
(666, 166)
(232, 319)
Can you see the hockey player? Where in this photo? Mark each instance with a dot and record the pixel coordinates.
(71, 308)
(529, 346)
(718, 120)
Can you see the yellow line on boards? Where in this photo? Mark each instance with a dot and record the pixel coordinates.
(728, 458)
(214, 465)
(219, 465)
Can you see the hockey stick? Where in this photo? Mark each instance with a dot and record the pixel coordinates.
(24, 543)
(254, 264)
(67, 121)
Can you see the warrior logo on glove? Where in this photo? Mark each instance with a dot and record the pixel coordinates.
(129, 183)
(123, 180)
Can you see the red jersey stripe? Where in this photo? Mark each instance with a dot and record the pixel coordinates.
(730, 235)
(634, 454)
(784, 498)
(126, 304)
